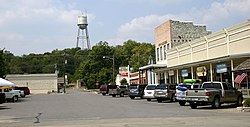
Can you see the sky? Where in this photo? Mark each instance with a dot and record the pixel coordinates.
(39, 26)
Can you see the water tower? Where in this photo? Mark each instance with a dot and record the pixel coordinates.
(82, 36)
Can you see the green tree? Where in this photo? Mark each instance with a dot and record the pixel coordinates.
(2, 65)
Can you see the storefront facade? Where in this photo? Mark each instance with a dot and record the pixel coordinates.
(209, 58)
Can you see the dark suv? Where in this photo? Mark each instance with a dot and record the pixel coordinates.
(2, 98)
(165, 92)
(136, 90)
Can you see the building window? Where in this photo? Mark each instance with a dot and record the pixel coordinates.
(161, 53)
(164, 52)
(168, 46)
(157, 54)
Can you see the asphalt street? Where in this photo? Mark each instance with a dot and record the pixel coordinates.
(79, 108)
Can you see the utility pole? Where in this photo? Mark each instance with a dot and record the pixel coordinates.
(64, 69)
(113, 59)
(114, 69)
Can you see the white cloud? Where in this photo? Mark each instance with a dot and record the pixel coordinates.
(31, 26)
(218, 13)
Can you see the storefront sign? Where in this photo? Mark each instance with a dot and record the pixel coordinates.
(184, 73)
(123, 71)
(221, 68)
(171, 73)
(201, 71)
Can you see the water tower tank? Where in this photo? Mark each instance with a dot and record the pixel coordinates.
(82, 22)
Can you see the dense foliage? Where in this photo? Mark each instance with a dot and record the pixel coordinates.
(89, 66)
(2, 64)
(246, 103)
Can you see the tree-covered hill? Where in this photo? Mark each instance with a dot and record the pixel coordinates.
(87, 65)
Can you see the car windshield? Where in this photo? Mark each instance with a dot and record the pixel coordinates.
(161, 87)
(123, 86)
(133, 87)
(103, 86)
(112, 86)
(150, 87)
(211, 85)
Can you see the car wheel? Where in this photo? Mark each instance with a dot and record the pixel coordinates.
(173, 99)
(239, 101)
(148, 99)
(193, 105)
(103, 94)
(216, 103)
(121, 94)
(15, 99)
(182, 103)
(159, 100)
(113, 95)
(132, 97)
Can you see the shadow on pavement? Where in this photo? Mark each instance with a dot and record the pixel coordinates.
(4, 107)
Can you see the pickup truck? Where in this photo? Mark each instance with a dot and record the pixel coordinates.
(215, 94)
(118, 90)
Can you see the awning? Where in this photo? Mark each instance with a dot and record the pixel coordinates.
(151, 66)
(4, 82)
(243, 66)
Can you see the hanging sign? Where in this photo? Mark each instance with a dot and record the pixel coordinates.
(201, 71)
(221, 68)
(184, 73)
(171, 73)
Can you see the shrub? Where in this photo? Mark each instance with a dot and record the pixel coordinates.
(246, 103)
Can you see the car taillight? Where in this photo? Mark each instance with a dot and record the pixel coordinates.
(208, 94)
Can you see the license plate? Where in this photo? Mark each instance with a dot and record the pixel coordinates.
(195, 99)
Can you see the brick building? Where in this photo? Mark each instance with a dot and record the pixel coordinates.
(168, 35)
(173, 33)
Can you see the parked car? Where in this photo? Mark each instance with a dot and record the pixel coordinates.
(121, 90)
(2, 98)
(181, 90)
(26, 90)
(165, 92)
(21, 92)
(11, 95)
(149, 92)
(215, 94)
(104, 89)
(136, 90)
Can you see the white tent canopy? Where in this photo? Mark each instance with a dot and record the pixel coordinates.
(4, 82)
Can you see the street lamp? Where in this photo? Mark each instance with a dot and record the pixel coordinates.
(113, 59)
(64, 69)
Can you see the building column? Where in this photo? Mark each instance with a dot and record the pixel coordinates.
(211, 72)
(232, 67)
(156, 78)
(165, 76)
(192, 72)
(177, 76)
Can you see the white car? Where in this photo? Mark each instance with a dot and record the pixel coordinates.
(149, 92)
(12, 95)
(181, 90)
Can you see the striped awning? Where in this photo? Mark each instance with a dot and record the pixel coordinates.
(243, 66)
